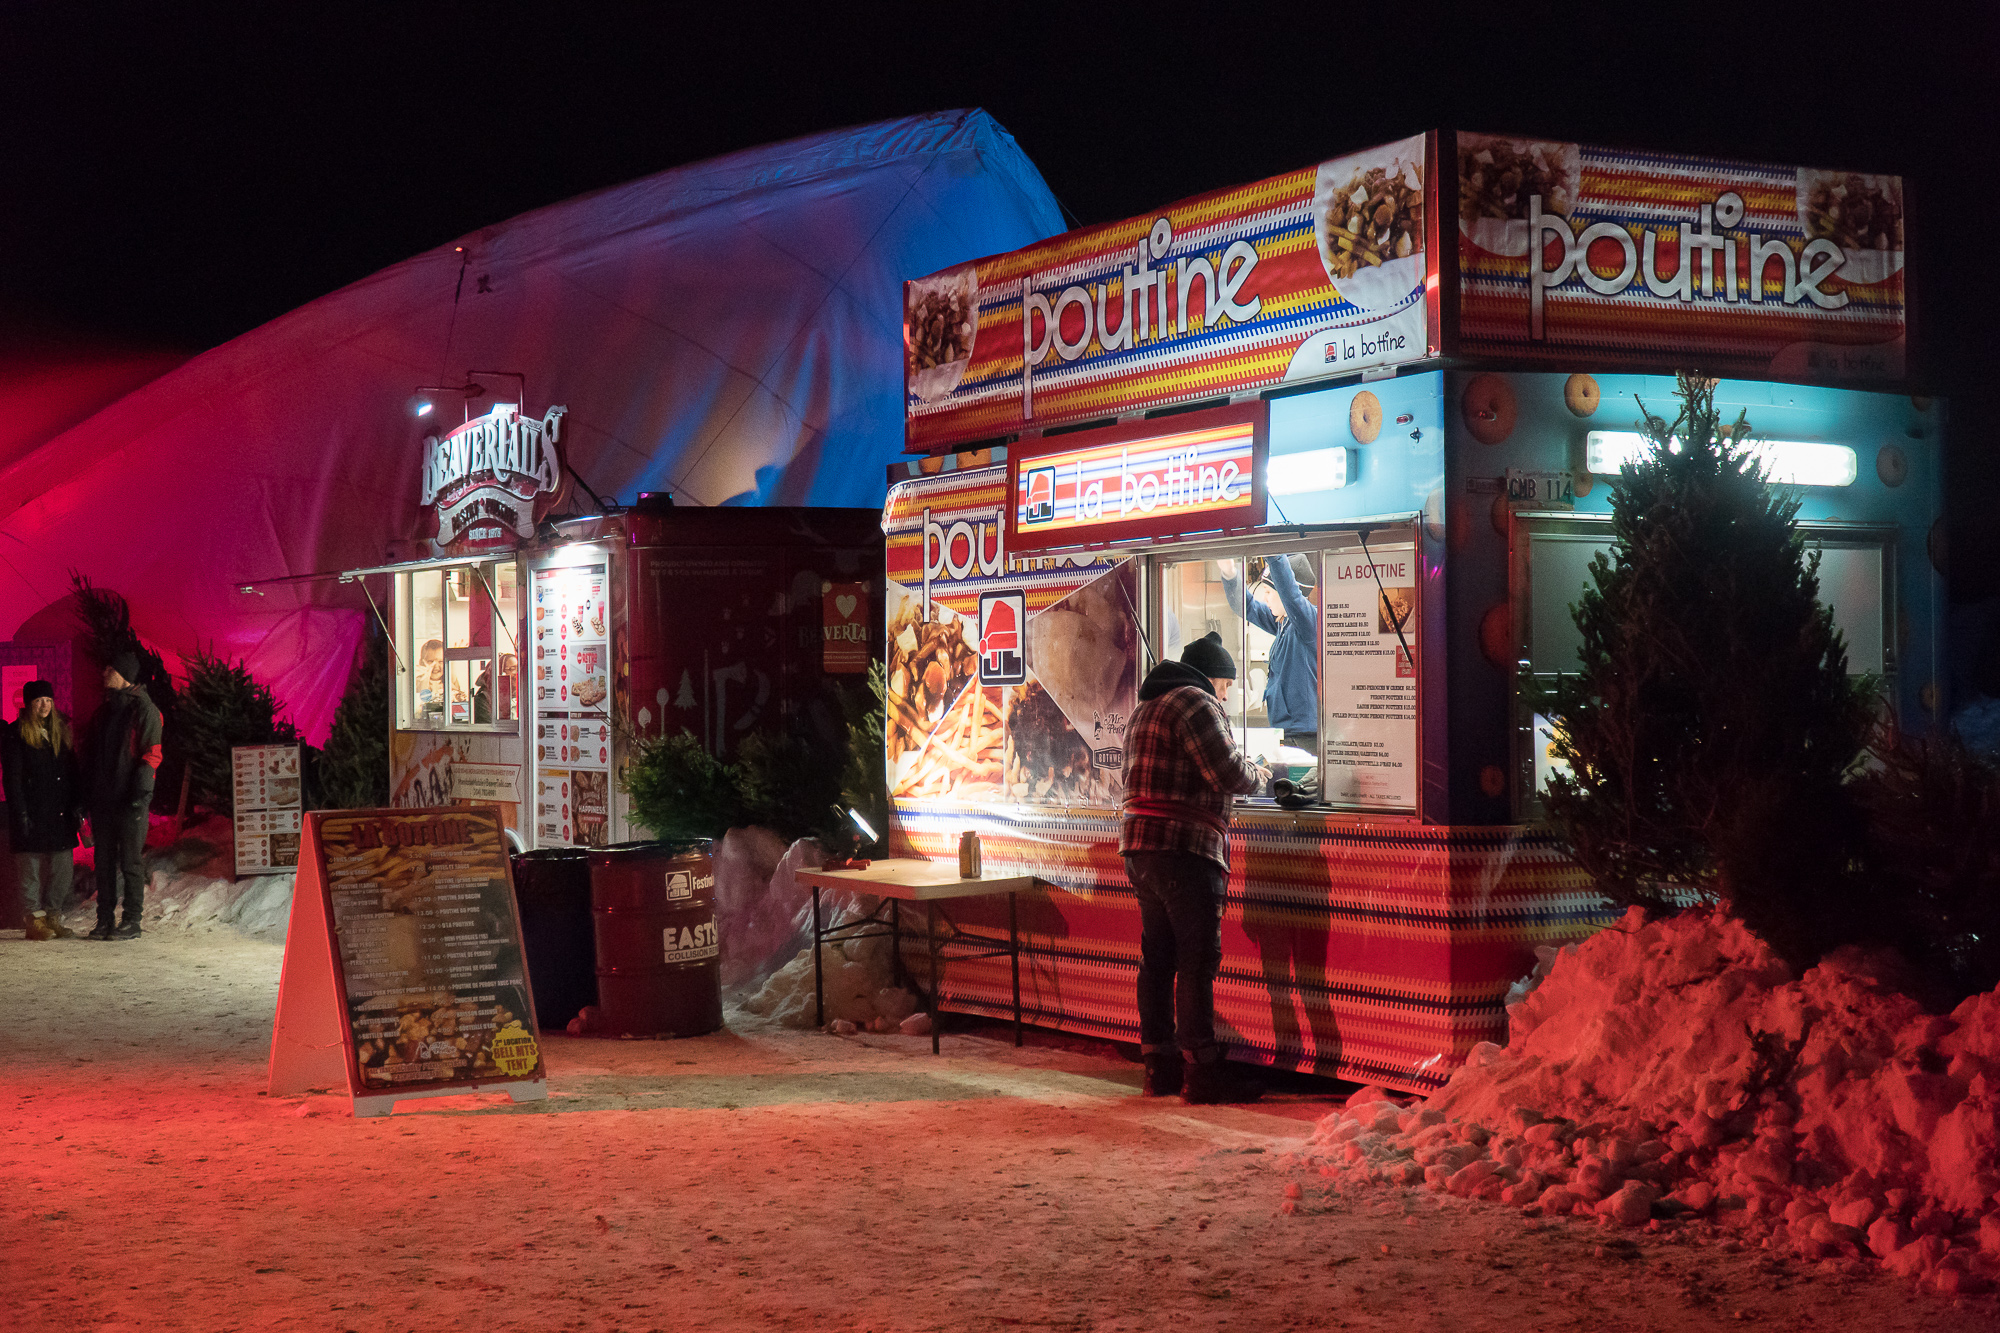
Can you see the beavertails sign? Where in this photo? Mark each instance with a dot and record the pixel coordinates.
(492, 479)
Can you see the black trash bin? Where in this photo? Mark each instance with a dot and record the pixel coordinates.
(552, 887)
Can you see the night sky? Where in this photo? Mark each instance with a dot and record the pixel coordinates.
(174, 175)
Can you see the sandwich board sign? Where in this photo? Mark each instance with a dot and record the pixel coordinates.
(404, 975)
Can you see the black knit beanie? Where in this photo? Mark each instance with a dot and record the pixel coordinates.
(1208, 656)
(37, 689)
(126, 664)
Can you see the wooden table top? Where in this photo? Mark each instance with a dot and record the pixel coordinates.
(916, 880)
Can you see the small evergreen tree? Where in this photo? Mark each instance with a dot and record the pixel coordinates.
(1713, 722)
(353, 767)
(221, 707)
(680, 791)
(797, 780)
(106, 620)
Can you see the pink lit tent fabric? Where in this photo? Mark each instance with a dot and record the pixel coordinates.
(730, 331)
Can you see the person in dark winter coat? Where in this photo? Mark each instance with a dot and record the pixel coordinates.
(44, 786)
(121, 755)
(1181, 767)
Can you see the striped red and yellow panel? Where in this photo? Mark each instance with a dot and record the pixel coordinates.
(1380, 953)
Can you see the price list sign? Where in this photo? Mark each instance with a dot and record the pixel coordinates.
(1368, 684)
(403, 964)
(572, 693)
(269, 799)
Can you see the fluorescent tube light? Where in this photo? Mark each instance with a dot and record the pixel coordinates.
(1313, 470)
(1790, 462)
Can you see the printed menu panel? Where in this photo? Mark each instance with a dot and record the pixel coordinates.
(572, 685)
(1369, 685)
(269, 797)
(428, 946)
(267, 841)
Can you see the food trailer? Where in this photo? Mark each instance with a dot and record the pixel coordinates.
(1373, 450)
(530, 651)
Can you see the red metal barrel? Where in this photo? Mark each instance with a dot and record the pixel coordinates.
(659, 968)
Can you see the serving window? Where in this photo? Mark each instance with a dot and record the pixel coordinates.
(1323, 629)
(1551, 568)
(458, 659)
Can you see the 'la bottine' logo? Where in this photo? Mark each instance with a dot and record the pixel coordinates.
(1003, 618)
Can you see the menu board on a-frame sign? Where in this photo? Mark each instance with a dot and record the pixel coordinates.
(404, 974)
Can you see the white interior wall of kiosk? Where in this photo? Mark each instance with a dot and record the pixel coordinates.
(1852, 579)
(729, 330)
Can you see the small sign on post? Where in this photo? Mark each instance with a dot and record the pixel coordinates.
(269, 798)
(404, 974)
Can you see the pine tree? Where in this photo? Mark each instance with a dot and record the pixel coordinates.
(221, 707)
(353, 768)
(1713, 722)
(106, 620)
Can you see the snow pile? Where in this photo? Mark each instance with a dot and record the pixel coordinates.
(191, 885)
(763, 914)
(858, 976)
(1676, 1070)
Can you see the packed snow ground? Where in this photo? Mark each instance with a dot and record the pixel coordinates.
(761, 1178)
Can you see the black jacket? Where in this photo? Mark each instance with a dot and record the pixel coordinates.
(122, 750)
(1171, 676)
(44, 793)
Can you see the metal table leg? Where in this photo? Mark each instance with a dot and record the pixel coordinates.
(819, 990)
(1014, 956)
(931, 940)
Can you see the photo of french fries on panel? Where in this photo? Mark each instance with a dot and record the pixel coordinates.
(943, 731)
(403, 874)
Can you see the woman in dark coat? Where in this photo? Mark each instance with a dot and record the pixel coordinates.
(44, 786)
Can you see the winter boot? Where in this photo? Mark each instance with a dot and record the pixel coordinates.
(37, 927)
(1164, 1071)
(104, 928)
(1213, 1083)
(128, 931)
(62, 932)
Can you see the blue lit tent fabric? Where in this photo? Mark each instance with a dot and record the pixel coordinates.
(730, 331)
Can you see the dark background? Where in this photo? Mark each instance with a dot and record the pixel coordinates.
(174, 175)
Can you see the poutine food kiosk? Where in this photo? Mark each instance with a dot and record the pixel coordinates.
(1374, 450)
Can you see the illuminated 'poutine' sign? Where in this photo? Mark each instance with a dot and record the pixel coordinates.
(1137, 481)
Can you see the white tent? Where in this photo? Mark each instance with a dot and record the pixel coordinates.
(730, 331)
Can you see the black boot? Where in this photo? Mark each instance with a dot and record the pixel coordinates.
(104, 929)
(1214, 1083)
(128, 931)
(1164, 1072)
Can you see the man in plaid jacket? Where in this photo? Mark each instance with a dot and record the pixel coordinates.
(1181, 767)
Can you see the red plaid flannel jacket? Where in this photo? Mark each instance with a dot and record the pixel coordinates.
(1179, 752)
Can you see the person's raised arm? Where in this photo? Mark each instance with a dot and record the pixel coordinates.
(1254, 611)
(1297, 604)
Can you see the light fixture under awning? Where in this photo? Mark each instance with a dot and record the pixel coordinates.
(1311, 470)
(1789, 462)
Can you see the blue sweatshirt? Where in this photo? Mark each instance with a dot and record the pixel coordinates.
(1291, 695)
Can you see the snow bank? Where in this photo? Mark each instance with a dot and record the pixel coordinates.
(191, 885)
(1676, 1069)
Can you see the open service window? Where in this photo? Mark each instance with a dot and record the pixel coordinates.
(1323, 627)
(1551, 568)
(457, 633)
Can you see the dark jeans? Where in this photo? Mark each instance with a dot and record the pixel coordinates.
(120, 838)
(1180, 949)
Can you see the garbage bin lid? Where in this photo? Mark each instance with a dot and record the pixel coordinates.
(647, 850)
